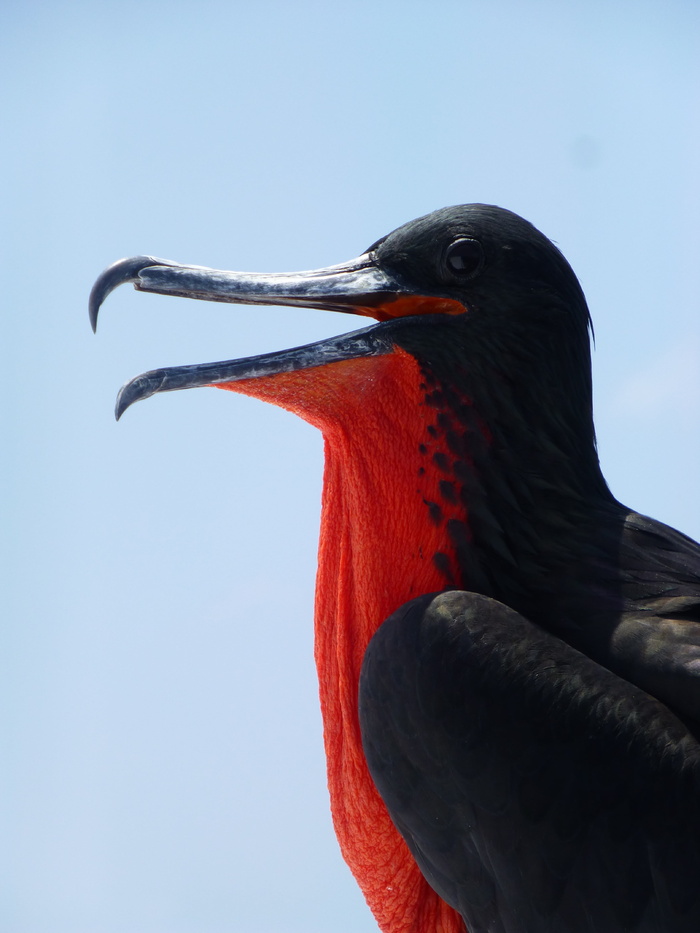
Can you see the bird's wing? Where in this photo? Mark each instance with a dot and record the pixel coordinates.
(656, 642)
(538, 792)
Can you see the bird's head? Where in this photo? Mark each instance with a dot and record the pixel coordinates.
(485, 258)
(468, 286)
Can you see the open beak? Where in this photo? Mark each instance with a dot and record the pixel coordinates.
(360, 286)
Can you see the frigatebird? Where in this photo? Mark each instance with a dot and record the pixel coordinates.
(509, 659)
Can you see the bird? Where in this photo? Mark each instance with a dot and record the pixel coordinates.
(508, 657)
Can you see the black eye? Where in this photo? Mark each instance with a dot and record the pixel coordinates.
(464, 257)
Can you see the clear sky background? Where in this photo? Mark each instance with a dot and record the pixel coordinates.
(161, 766)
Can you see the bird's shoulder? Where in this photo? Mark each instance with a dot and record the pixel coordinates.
(662, 561)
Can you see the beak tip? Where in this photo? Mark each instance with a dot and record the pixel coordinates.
(125, 398)
(94, 310)
(124, 401)
(120, 272)
(141, 387)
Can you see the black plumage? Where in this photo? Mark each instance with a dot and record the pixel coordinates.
(539, 788)
(538, 791)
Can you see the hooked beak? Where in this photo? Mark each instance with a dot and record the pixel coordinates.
(360, 286)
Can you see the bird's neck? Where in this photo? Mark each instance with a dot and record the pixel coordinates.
(421, 492)
(414, 501)
(512, 438)
(380, 534)
(382, 543)
(538, 513)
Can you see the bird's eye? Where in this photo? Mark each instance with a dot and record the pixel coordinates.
(464, 257)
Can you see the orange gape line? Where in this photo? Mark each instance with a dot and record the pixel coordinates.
(376, 549)
(413, 304)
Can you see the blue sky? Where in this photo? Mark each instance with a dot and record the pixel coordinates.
(162, 762)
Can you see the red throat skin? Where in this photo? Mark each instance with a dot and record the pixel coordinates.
(381, 528)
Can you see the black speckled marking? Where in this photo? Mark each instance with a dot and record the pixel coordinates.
(435, 399)
(434, 511)
(448, 491)
(452, 433)
(441, 461)
(442, 563)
